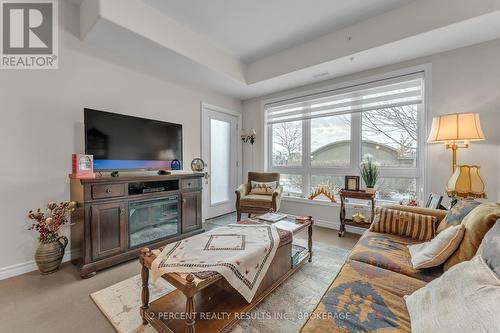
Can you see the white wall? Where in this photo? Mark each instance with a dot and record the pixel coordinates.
(41, 125)
(463, 80)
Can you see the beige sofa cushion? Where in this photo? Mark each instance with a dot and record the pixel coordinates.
(257, 201)
(489, 249)
(437, 250)
(463, 299)
(403, 223)
(477, 223)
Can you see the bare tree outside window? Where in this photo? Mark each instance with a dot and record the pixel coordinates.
(287, 143)
(390, 135)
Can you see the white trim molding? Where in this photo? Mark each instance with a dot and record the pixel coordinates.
(30, 266)
(336, 226)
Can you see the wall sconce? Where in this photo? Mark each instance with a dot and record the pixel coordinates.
(248, 135)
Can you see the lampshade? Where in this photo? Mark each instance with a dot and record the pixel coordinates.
(456, 127)
(466, 182)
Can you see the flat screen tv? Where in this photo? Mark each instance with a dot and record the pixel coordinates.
(120, 142)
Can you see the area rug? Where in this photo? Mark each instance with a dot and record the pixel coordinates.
(285, 310)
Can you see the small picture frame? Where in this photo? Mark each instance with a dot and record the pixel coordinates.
(434, 201)
(352, 183)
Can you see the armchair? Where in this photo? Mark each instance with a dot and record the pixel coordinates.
(258, 203)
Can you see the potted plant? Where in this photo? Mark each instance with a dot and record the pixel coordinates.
(369, 173)
(50, 251)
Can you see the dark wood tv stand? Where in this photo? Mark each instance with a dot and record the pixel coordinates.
(100, 235)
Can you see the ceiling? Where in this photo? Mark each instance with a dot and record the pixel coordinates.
(240, 48)
(251, 30)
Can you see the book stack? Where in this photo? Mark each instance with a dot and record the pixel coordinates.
(301, 219)
(272, 217)
(298, 254)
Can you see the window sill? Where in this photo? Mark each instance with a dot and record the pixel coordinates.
(311, 202)
(337, 204)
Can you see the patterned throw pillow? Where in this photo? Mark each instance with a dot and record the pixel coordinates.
(489, 249)
(398, 222)
(457, 213)
(435, 252)
(262, 188)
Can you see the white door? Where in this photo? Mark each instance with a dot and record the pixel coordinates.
(220, 152)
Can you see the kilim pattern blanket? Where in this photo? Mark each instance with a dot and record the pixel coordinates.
(240, 253)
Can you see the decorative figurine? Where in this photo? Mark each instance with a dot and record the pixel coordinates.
(175, 165)
(323, 189)
(358, 218)
(197, 165)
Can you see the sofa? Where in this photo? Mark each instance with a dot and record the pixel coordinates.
(367, 294)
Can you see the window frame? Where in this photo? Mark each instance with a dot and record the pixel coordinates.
(307, 171)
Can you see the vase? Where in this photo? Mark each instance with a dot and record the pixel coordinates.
(48, 256)
(370, 190)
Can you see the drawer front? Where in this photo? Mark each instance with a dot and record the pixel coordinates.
(108, 191)
(193, 183)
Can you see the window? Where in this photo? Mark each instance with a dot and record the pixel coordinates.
(330, 141)
(390, 136)
(322, 137)
(287, 143)
(396, 189)
(335, 182)
(292, 184)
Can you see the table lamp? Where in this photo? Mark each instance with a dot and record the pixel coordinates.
(456, 130)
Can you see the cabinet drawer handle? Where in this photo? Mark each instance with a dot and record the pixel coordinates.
(189, 184)
(108, 190)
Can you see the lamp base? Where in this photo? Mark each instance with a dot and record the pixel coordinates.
(454, 147)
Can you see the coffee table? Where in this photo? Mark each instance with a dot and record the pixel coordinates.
(289, 223)
(218, 306)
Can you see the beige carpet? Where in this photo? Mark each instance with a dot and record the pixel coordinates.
(297, 296)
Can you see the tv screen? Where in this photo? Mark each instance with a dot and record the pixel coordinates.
(120, 142)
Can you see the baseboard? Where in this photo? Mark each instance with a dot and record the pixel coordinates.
(28, 266)
(336, 226)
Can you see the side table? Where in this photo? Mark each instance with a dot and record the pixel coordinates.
(360, 195)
